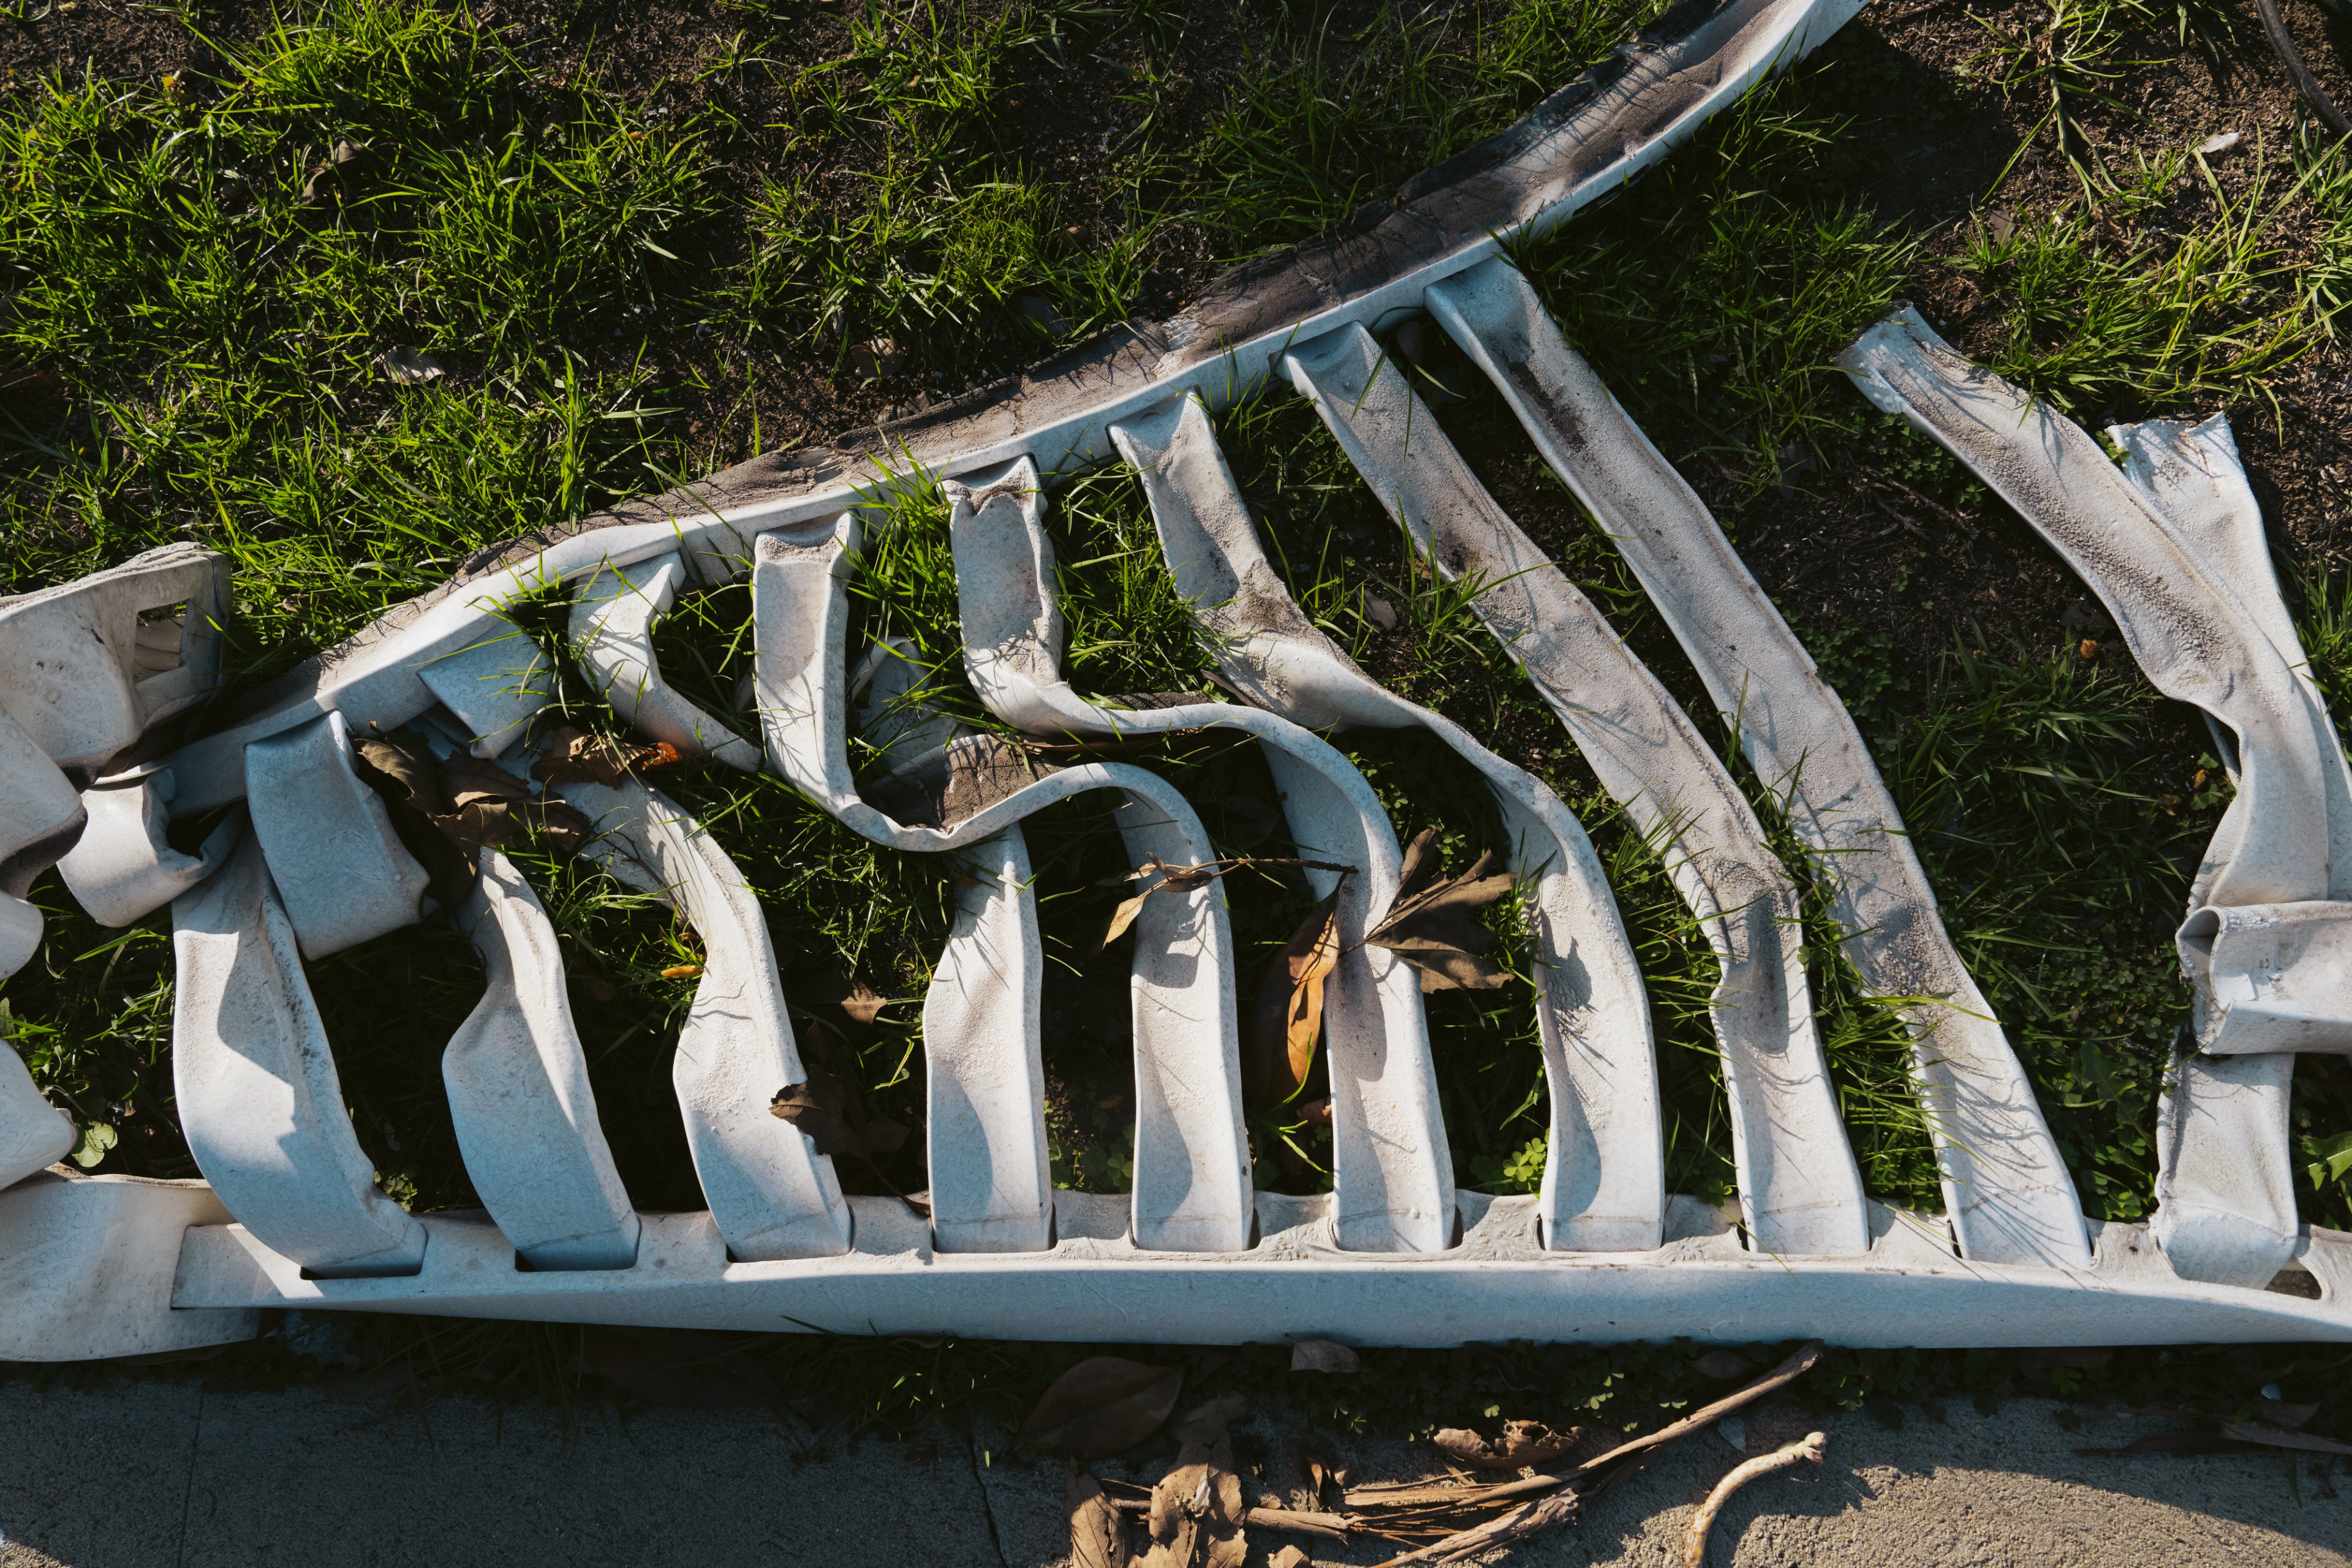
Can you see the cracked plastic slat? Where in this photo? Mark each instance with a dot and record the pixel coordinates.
(339, 867)
(992, 1185)
(1604, 1171)
(495, 686)
(611, 634)
(256, 1091)
(33, 1133)
(518, 1092)
(123, 868)
(1191, 1159)
(1392, 1172)
(2225, 1190)
(2008, 1194)
(1799, 1188)
(770, 1193)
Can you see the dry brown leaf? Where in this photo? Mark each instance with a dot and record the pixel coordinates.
(1103, 1405)
(816, 1109)
(812, 986)
(1722, 1366)
(1324, 1355)
(465, 779)
(1098, 1537)
(575, 757)
(1288, 1020)
(409, 767)
(1523, 1443)
(1324, 1467)
(1288, 1557)
(1124, 916)
(1207, 1422)
(2280, 1437)
(1434, 924)
(470, 804)
(1197, 1514)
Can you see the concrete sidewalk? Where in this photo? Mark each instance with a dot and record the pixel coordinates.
(165, 1474)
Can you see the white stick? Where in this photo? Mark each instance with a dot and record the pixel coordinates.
(1809, 1446)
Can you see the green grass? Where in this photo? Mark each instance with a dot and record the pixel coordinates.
(592, 274)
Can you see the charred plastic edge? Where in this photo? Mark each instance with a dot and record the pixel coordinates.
(1585, 141)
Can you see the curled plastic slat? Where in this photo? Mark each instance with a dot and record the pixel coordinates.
(771, 1194)
(518, 1092)
(2282, 971)
(495, 686)
(1604, 1171)
(341, 870)
(257, 1090)
(1798, 1187)
(2008, 1193)
(2225, 1195)
(93, 664)
(1392, 1174)
(1191, 1159)
(123, 868)
(611, 631)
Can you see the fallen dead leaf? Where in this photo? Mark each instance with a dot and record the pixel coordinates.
(470, 806)
(575, 757)
(1433, 923)
(1098, 1537)
(1289, 1556)
(2221, 142)
(1161, 876)
(816, 1108)
(1379, 612)
(1103, 1405)
(816, 984)
(1124, 916)
(2271, 1436)
(1722, 1366)
(1207, 1422)
(1288, 1017)
(1324, 1355)
(1522, 1444)
(1323, 1466)
(1197, 1514)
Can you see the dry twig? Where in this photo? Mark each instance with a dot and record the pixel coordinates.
(1808, 1446)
